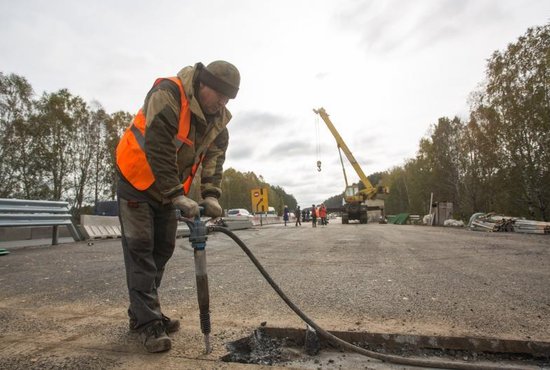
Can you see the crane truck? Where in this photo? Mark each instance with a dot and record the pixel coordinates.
(356, 202)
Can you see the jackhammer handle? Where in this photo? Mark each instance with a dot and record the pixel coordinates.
(191, 221)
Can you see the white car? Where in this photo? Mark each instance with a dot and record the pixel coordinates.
(238, 212)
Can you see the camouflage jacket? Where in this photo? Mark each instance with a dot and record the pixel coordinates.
(208, 133)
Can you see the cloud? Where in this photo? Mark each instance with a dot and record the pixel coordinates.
(240, 150)
(385, 70)
(257, 122)
(394, 26)
(292, 147)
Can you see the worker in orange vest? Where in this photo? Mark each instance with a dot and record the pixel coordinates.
(323, 214)
(181, 126)
(314, 215)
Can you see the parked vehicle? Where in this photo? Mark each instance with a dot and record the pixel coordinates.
(238, 212)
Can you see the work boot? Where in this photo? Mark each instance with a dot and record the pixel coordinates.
(132, 325)
(170, 326)
(154, 338)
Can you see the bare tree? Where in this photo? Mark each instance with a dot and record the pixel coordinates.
(115, 126)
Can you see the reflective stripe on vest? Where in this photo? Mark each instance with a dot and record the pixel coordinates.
(131, 159)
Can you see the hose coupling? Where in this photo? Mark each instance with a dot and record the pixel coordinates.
(197, 235)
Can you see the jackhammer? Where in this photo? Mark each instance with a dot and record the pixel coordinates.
(198, 239)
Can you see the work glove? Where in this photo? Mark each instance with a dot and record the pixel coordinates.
(212, 207)
(189, 208)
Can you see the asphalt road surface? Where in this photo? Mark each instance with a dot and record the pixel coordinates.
(65, 306)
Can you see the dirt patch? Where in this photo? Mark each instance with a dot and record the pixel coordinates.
(56, 362)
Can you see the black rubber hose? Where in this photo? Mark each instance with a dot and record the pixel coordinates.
(342, 343)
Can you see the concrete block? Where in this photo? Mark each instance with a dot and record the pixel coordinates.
(100, 227)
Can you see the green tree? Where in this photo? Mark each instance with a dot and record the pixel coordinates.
(236, 188)
(15, 110)
(99, 172)
(58, 115)
(114, 128)
(278, 198)
(398, 200)
(480, 165)
(518, 96)
(443, 153)
(84, 149)
(335, 201)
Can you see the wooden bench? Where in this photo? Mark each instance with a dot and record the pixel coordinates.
(29, 213)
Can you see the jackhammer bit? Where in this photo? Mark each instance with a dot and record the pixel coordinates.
(198, 239)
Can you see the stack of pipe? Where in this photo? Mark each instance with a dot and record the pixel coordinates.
(532, 227)
(494, 223)
(503, 223)
(491, 222)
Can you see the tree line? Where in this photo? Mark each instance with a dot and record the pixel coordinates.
(498, 159)
(236, 188)
(58, 147)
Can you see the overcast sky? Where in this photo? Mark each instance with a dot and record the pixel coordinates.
(384, 70)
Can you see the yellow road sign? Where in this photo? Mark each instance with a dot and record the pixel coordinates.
(259, 199)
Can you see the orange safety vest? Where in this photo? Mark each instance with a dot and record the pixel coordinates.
(130, 152)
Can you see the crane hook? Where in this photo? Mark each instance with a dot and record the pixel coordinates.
(319, 166)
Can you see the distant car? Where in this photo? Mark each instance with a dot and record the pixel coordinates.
(238, 212)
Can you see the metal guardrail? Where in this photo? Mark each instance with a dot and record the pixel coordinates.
(28, 213)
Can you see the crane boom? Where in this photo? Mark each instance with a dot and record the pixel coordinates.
(369, 191)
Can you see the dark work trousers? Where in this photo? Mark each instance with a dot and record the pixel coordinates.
(148, 241)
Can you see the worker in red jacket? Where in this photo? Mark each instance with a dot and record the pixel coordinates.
(323, 214)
